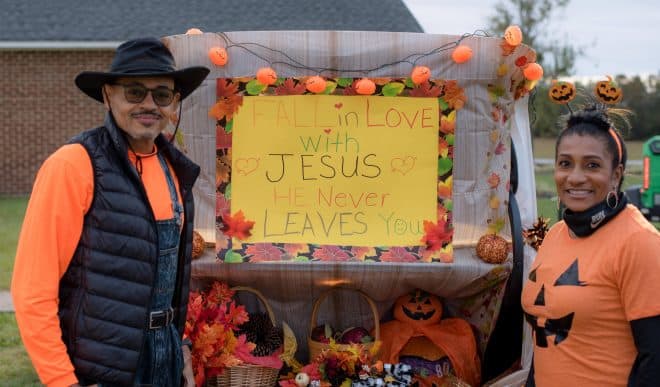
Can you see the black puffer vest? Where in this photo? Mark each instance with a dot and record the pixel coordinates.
(106, 290)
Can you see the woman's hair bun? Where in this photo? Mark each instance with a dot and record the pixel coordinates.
(595, 115)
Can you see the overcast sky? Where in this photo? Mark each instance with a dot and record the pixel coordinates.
(621, 37)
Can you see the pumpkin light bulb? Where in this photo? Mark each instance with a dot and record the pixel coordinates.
(461, 54)
(513, 35)
(194, 31)
(533, 71)
(266, 76)
(420, 74)
(315, 84)
(218, 56)
(365, 86)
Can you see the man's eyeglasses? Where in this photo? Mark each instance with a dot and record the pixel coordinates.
(136, 93)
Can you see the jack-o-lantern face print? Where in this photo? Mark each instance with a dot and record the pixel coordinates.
(418, 308)
(558, 327)
(562, 92)
(608, 92)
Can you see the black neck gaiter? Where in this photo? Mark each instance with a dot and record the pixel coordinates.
(584, 223)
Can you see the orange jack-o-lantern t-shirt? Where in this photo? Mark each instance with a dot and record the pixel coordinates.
(582, 293)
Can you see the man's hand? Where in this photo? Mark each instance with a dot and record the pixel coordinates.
(188, 376)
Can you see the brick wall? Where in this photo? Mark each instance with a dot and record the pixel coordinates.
(41, 108)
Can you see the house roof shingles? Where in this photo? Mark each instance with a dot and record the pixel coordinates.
(119, 20)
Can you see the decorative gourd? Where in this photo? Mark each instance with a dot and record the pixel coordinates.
(418, 308)
(608, 92)
(492, 248)
(562, 92)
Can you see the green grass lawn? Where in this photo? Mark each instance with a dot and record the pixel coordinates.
(15, 367)
(12, 210)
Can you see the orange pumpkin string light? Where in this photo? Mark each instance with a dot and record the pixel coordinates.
(533, 71)
(218, 56)
(194, 31)
(365, 86)
(513, 35)
(266, 76)
(420, 74)
(461, 54)
(315, 84)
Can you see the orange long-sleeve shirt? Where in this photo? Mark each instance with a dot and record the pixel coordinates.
(61, 196)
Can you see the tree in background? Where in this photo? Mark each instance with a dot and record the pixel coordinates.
(534, 17)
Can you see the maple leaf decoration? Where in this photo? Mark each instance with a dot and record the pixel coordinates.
(228, 100)
(236, 226)
(290, 87)
(453, 95)
(436, 234)
(426, 90)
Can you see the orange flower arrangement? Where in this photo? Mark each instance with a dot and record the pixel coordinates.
(212, 319)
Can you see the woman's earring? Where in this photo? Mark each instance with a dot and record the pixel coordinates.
(609, 197)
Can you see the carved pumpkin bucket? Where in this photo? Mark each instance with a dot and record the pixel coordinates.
(418, 308)
(608, 92)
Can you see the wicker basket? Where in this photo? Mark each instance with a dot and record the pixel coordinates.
(316, 347)
(246, 375)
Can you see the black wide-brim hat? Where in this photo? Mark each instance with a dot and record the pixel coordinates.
(145, 57)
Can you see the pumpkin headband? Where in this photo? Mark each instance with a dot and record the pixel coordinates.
(607, 92)
(618, 143)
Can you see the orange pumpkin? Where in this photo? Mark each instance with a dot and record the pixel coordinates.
(266, 76)
(608, 92)
(218, 55)
(420, 74)
(513, 35)
(365, 86)
(461, 54)
(562, 92)
(194, 31)
(418, 308)
(533, 71)
(315, 84)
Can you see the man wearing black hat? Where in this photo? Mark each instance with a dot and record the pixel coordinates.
(102, 268)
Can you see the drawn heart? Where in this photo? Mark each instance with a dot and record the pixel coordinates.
(403, 165)
(327, 130)
(246, 166)
(338, 105)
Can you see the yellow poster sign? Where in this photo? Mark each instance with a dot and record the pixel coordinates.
(342, 170)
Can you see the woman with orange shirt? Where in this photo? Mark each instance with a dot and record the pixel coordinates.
(591, 296)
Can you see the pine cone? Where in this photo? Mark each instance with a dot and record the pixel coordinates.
(492, 248)
(259, 330)
(534, 236)
(198, 245)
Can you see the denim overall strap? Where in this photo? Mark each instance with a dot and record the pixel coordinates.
(162, 360)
